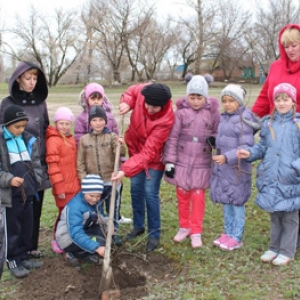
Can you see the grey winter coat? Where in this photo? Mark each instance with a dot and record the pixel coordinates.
(231, 182)
(34, 105)
(278, 174)
(186, 146)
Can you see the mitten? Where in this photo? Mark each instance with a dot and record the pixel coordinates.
(170, 170)
(211, 140)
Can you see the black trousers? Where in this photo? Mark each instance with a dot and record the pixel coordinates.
(94, 232)
(2, 238)
(37, 211)
(19, 224)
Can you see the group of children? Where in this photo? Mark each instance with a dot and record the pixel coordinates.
(209, 150)
(205, 149)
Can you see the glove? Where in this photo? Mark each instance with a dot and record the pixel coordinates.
(170, 170)
(211, 140)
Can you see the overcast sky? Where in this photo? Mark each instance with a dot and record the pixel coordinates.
(9, 8)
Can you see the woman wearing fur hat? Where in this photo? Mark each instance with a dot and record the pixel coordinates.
(28, 88)
(231, 178)
(187, 156)
(61, 160)
(151, 121)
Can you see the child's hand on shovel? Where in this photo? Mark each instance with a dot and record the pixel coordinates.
(117, 177)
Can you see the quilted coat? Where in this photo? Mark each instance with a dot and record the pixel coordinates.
(146, 134)
(96, 154)
(186, 146)
(278, 174)
(61, 159)
(231, 182)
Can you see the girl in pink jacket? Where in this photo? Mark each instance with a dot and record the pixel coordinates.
(188, 156)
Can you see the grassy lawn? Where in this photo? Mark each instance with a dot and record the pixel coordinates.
(205, 273)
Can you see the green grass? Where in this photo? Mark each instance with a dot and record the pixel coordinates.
(205, 273)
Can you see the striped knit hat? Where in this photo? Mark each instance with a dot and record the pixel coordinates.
(92, 184)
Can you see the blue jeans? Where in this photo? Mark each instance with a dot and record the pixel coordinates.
(145, 193)
(234, 221)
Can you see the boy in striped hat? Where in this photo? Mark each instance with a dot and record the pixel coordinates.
(78, 231)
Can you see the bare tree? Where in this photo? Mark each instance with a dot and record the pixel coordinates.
(229, 46)
(54, 43)
(269, 20)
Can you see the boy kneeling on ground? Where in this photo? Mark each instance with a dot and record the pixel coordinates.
(78, 231)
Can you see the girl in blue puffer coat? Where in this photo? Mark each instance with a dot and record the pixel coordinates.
(231, 178)
(278, 174)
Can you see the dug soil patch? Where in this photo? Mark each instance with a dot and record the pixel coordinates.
(133, 275)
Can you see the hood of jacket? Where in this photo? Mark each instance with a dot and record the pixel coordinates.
(40, 92)
(290, 66)
(52, 131)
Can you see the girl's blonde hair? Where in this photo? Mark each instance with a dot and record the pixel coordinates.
(290, 35)
(284, 96)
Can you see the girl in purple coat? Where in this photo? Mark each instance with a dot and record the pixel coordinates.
(231, 178)
(187, 156)
(93, 94)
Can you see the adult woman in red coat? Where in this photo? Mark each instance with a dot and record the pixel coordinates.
(284, 70)
(150, 124)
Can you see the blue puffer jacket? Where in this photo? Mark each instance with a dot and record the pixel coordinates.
(77, 215)
(231, 182)
(278, 174)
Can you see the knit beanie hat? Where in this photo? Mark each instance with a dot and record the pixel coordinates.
(91, 88)
(97, 112)
(197, 85)
(13, 114)
(285, 88)
(92, 184)
(156, 94)
(235, 91)
(64, 113)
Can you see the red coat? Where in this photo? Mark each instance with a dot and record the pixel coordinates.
(146, 134)
(282, 70)
(61, 160)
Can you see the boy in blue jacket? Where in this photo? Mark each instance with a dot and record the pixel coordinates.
(20, 178)
(81, 229)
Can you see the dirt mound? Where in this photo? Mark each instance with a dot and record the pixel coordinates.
(132, 274)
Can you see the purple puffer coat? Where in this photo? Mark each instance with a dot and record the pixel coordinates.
(186, 146)
(231, 182)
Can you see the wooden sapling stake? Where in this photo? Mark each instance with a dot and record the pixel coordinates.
(106, 278)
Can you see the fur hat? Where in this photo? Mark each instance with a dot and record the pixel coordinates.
(285, 88)
(63, 113)
(197, 85)
(97, 111)
(156, 94)
(235, 91)
(91, 88)
(13, 114)
(92, 184)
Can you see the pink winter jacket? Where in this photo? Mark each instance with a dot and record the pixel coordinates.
(186, 146)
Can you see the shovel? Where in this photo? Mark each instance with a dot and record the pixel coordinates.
(106, 278)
